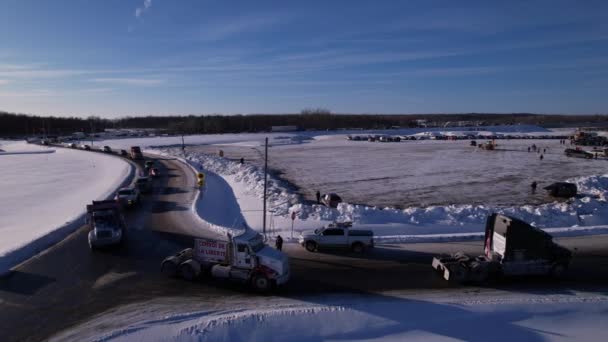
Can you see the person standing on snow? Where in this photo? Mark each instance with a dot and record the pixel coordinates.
(318, 197)
(533, 186)
(278, 243)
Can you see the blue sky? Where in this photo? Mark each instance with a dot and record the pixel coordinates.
(133, 57)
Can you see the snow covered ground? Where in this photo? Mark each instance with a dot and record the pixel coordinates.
(585, 215)
(44, 192)
(446, 316)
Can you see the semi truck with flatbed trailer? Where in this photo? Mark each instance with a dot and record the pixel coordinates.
(511, 248)
(243, 258)
(106, 223)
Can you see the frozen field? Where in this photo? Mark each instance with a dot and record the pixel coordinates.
(45, 190)
(419, 173)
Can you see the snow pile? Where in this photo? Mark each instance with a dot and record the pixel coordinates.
(251, 179)
(469, 317)
(43, 196)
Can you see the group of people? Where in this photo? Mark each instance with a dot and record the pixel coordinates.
(537, 149)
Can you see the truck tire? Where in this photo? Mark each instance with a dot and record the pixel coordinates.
(260, 283)
(187, 272)
(169, 268)
(479, 272)
(558, 270)
(311, 246)
(357, 247)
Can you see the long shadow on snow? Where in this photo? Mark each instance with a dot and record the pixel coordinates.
(408, 315)
(218, 205)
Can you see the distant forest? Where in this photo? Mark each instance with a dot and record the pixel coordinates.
(316, 119)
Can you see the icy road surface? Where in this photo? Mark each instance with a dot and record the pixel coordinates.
(43, 192)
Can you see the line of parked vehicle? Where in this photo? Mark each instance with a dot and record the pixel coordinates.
(399, 138)
(105, 218)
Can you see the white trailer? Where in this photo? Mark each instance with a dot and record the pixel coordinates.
(243, 258)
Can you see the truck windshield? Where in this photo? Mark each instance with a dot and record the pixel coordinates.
(256, 243)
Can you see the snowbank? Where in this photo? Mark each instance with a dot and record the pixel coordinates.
(584, 215)
(394, 317)
(43, 196)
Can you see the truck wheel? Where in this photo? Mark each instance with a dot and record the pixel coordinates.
(260, 283)
(558, 270)
(187, 272)
(357, 247)
(311, 246)
(169, 269)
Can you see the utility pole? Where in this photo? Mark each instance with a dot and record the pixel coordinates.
(183, 144)
(265, 185)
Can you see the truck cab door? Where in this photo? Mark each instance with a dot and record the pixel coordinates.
(243, 257)
(334, 237)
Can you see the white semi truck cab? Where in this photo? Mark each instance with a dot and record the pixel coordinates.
(243, 258)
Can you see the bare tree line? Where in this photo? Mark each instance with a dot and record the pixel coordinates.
(309, 119)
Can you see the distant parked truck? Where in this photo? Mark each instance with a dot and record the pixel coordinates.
(242, 258)
(136, 153)
(337, 235)
(562, 189)
(106, 222)
(512, 248)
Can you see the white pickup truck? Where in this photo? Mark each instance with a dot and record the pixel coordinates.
(243, 258)
(337, 235)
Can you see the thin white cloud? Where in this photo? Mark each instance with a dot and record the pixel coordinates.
(139, 11)
(129, 81)
(2, 82)
(229, 27)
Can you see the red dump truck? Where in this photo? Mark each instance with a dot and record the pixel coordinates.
(512, 248)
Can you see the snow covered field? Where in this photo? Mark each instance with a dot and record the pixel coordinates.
(447, 316)
(244, 186)
(496, 175)
(44, 192)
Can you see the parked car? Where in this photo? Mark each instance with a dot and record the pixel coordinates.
(127, 196)
(143, 184)
(124, 153)
(331, 200)
(154, 172)
(107, 149)
(562, 189)
(86, 147)
(148, 165)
